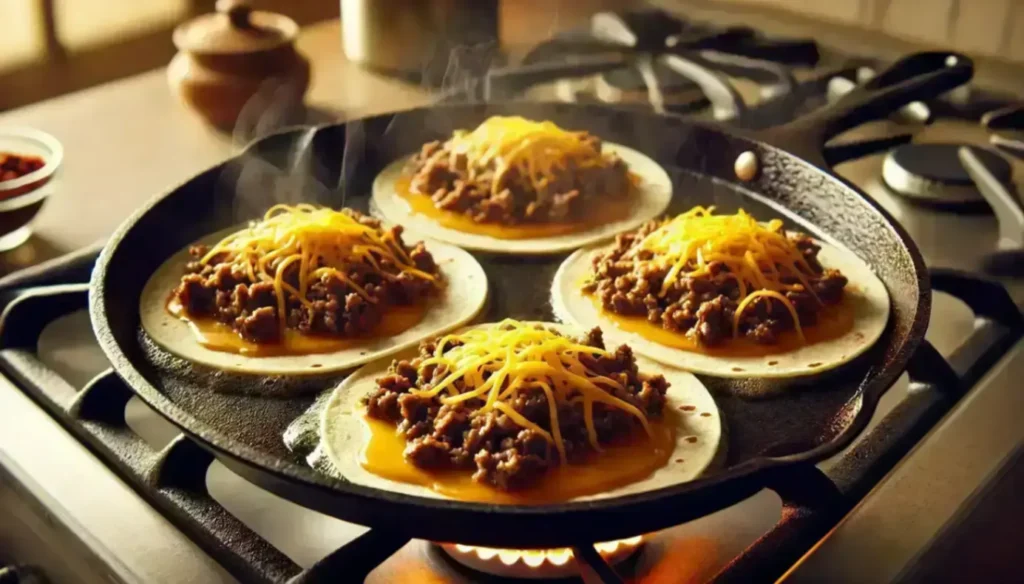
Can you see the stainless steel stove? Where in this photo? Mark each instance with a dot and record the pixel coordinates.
(71, 514)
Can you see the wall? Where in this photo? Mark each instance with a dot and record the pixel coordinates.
(50, 47)
(993, 28)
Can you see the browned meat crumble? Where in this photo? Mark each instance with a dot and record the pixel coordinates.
(503, 454)
(444, 176)
(224, 291)
(703, 307)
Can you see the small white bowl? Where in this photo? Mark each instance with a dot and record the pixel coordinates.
(22, 198)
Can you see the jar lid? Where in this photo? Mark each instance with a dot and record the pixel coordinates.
(235, 29)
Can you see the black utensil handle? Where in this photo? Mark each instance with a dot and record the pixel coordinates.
(915, 77)
(66, 269)
(811, 504)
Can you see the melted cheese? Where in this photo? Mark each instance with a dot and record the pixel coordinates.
(218, 336)
(516, 357)
(834, 321)
(759, 256)
(628, 461)
(534, 149)
(613, 208)
(322, 241)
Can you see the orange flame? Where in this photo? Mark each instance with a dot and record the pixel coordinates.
(558, 557)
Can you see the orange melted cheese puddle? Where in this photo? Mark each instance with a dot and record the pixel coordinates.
(218, 336)
(833, 322)
(613, 208)
(616, 466)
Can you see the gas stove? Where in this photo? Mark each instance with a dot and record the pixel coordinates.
(170, 512)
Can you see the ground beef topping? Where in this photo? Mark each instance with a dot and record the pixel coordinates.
(694, 273)
(314, 270)
(514, 171)
(495, 418)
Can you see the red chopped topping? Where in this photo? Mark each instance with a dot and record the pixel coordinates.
(14, 166)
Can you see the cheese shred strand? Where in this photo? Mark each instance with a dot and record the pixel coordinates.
(494, 364)
(763, 261)
(317, 243)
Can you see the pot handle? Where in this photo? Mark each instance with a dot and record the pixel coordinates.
(916, 77)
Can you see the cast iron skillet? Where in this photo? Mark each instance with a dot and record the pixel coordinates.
(766, 437)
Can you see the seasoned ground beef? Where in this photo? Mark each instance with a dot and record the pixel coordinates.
(445, 176)
(628, 282)
(499, 451)
(224, 291)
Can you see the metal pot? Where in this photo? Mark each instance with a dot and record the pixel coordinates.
(415, 37)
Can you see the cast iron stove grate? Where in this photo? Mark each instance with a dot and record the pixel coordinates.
(651, 47)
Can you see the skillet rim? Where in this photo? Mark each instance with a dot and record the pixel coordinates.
(754, 471)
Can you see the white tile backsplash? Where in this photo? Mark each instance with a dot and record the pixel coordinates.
(993, 28)
(920, 20)
(1015, 42)
(981, 25)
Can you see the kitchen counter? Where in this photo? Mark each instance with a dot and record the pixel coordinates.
(128, 141)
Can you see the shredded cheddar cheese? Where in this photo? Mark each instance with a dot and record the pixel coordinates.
(764, 262)
(323, 243)
(534, 149)
(495, 363)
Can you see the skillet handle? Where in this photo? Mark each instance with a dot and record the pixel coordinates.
(916, 77)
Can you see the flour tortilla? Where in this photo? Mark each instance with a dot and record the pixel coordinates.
(867, 293)
(343, 433)
(652, 196)
(462, 299)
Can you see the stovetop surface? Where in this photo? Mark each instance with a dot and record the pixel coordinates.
(692, 552)
(699, 548)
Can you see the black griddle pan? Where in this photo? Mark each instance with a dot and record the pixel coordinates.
(334, 165)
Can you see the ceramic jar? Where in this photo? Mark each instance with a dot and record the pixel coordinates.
(235, 56)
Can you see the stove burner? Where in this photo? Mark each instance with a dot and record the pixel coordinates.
(536, 564)
(933, 172)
